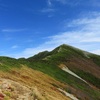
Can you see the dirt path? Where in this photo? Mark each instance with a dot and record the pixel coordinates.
(68, 94)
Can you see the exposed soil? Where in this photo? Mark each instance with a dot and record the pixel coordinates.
(11, 90)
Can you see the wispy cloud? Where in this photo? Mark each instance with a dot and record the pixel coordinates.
(93, 3)
(85, 35)
(14, 46)
(69, 2)
(96, 51)
(73, 3)
(46, 10)
(49, 3)
(12, 30)
(49, 8)
(28, 52)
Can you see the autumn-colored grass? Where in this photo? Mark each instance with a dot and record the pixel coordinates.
(38, 81)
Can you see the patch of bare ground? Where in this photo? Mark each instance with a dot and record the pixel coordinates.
(28, 84)
(86, 65)
(11, 90)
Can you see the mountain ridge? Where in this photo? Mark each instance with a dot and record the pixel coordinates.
(76, 63)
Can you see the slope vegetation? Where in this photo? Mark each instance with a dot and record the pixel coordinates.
(45, 77)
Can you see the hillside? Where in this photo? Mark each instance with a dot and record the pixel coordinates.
(63, 74)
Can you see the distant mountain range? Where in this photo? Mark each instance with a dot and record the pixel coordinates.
(66, 73)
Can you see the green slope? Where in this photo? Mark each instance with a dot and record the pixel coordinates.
(65, 54)
(6, 63)
(80, 62)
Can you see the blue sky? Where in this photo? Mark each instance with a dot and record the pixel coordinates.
(30, 26)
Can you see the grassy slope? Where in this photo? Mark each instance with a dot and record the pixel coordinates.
(95, 59)
(55, 72)
(89, 77)
(66, 53)
(47, 62)
(7, 63)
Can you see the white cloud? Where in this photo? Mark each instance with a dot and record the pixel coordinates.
(89, 3)
(28, 52)
(12, 30)
(87, 29)
(85, 35)
(96, 51)
(71, 3)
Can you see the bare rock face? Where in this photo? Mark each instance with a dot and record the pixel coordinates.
(10, 90)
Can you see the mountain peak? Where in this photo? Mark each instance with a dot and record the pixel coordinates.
(64, 70)
(64, 45)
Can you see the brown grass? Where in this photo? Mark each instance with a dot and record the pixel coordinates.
(39, 82)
